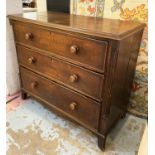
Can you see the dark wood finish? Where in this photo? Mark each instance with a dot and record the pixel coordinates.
(101, 142)
(95, 27)
(85, 81)
(81, 67)
(85, 51)
(24, 95)
(69, 101)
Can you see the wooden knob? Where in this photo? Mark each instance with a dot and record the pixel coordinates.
(74, 49)
(34, 84)
(73, 106)
(28, 36)
(31, 60)
(73, 78)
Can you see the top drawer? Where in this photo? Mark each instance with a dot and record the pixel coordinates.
(86, 52)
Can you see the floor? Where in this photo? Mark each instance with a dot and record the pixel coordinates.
(34, 130)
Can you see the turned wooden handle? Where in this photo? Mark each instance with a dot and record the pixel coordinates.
(73, 106)
(28, 36)
(34, 84)
(74, 49)
(31, 60)
(73, 78)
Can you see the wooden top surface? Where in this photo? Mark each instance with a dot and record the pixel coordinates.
(99, 27)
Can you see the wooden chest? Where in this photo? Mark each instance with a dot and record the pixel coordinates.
(81, 67)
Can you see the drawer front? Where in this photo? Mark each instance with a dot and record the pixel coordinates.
(78, 106)
(88, 52)
(89, 83)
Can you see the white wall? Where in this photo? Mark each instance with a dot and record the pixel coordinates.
(12, 78)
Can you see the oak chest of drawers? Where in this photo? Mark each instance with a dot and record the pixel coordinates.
(82, 67)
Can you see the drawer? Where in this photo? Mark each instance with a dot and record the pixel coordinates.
(84, 51)
(76, 105)
(87, 82)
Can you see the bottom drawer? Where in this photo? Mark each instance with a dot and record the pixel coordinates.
(76, 105)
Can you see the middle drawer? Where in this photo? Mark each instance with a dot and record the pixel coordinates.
(77, 78)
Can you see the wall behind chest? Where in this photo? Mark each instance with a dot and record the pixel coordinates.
(12, 78)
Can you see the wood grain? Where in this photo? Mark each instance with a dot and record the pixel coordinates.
(99, 27)
(62, 97)
(90, 52)
(88, 83)
(81, 67)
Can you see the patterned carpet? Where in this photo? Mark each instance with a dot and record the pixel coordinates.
(139, 97)
(33, 130)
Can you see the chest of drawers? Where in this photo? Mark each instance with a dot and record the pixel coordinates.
(81, 67)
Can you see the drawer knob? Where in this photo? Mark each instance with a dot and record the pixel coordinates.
(73, 78)
(74, 49)
(28, 36)
(73, 106)
(34, 84)
(31, 60)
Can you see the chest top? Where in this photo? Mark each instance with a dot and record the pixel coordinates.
(97, 27)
